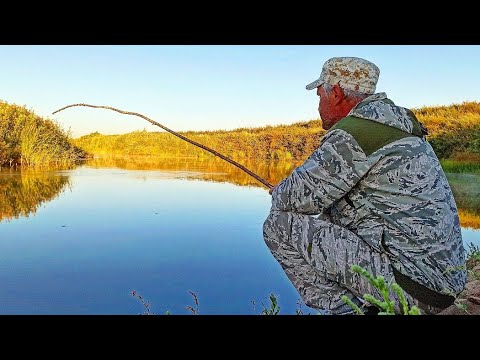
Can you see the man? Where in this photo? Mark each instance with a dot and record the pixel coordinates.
(372, 194)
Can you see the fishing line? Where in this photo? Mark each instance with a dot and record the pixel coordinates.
(233, 162)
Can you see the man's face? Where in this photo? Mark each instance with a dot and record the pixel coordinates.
(326, 108)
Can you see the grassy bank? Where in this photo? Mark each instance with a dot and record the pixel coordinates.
(453, 131)
(29, 140)
(459, 166)
(271, 142)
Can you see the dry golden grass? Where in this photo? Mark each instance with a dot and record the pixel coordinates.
(469, 220)
(453, 130)
(276, 143)
(29, 140)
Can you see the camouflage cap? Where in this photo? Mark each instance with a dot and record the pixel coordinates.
(350, 73)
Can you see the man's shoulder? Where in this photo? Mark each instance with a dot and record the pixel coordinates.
(369, 134)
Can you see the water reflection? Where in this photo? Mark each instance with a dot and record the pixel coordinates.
(208, 168)
(22, 192)
(465, 187)
(147, 230)
(466, 190)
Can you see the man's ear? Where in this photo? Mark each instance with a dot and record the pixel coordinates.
(338, 94)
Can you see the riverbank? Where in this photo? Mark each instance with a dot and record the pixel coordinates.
(468, 302)
(30, 140)
(454, 132)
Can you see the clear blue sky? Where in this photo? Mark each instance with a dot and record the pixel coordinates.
(217, 87)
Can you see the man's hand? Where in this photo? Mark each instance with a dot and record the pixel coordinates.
(271, 190)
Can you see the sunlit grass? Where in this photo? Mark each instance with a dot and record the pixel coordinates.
(270, 143)
(468, 219)
(453, 130)
(29, 140)
(454, 166)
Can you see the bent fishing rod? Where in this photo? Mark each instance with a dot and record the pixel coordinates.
(263, 181)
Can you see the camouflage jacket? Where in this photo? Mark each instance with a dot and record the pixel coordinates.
(375, 174)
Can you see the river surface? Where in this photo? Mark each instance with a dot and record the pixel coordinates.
(79, 241)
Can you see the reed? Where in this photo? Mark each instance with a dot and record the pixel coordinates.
(30, 140)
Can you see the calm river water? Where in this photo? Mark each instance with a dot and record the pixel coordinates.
(79, 241)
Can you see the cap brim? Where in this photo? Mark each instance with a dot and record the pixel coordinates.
(314, 84)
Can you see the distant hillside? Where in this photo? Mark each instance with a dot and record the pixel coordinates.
(453, 131)
(271, 142)
(29, 140)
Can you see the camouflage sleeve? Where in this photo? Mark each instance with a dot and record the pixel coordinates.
(326, 176)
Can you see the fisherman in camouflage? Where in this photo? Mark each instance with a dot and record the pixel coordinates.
(372, 194)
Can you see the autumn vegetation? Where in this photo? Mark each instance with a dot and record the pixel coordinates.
(29, 140)
(453, 131)
(284, 142)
